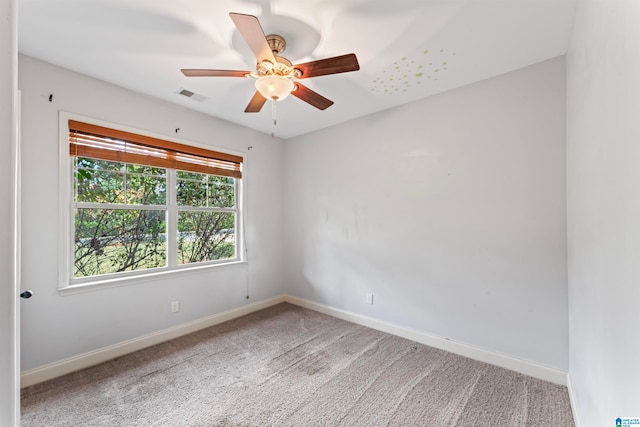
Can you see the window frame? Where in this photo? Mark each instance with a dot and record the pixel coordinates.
(67, 283)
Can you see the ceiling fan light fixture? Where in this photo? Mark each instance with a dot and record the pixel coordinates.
(274, 87)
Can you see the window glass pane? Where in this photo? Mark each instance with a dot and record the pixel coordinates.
(147, 170)
(87, 163)
(190, 175)
(222, 191)
(205, 236)
(99, 186)
(146, 189)
(202, 190)
(111, 241)
(192, 192)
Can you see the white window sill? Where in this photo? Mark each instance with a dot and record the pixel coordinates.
(129, 280)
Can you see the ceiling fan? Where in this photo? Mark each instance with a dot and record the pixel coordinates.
(275, 76)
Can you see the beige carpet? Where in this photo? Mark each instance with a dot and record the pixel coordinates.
(288, 366)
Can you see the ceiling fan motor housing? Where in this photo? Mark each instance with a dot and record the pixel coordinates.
(277, 43)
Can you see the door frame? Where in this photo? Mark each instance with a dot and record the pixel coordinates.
(9, 218)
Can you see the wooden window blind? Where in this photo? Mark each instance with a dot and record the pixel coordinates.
(98, 142)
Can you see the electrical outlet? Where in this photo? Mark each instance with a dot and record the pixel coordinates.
(369, 298)
(175, 306)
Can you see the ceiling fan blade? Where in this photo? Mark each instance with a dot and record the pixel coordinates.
(196, 72)
(250, 29)
(256, 103)
(335, 65)
(311, 97)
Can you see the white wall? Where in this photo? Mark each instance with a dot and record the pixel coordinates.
(603, 124)
(450, 210)
(9, 409)
(56, 327)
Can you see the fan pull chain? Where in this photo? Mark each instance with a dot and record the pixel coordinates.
(274, 122)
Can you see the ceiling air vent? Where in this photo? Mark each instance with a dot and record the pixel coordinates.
(191, 95)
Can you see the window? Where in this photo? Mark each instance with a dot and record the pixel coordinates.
(120, 217)
(140, 204)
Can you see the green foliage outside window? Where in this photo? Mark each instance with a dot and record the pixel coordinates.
(198, 190)
(111, 241)
(130, 232)
(205, 236)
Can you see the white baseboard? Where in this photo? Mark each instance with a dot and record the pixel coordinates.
(85, 360)
(572, 399)
(502, 360)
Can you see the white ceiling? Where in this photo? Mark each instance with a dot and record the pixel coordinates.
(407, 49)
